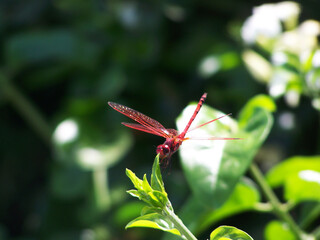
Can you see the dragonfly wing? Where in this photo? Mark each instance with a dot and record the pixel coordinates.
(172, 132)
(141, 128)
(154, 126)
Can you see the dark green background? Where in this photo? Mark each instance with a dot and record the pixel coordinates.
(68, 58)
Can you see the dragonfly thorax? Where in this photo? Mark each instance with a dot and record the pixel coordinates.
(169, 147)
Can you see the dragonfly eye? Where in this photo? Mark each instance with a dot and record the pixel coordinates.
(164, 150)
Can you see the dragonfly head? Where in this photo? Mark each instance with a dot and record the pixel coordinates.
(164, 151)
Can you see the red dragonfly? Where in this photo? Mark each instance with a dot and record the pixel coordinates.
(173, 138)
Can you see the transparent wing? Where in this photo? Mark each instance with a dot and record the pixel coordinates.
(141, 128)
(150, 125)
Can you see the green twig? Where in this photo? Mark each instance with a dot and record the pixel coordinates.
(101, 188)
(316, 233)
(178, 224)
(27, 110)
(277, 206)
(267, 207)
(310, 217)
(263, 207)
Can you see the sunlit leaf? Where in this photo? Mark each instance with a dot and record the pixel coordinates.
(229, 60)
(213, 168)
(243, 198)
(156, 199)
(134, 193)
(128, 211)
(71, 146)
(307, 62)
(229, 233)
(145, 192)
(161, 197)
(154, 220)
(134, 179)
(278, 230)
(213, 63)
(300, 177)
(305, 185)
(284, 79)
(286, 59)
(147, 210)
(278, 174)
(145, 184)
(313, 80)
(198, 217)
(156, 177)
(316, 103)
(258, 66)
(104, 156)
(66, 132)
(261, 101)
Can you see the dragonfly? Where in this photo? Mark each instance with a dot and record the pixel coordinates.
(174, 139)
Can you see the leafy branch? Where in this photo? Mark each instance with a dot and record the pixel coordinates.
(159, 213)
(277, 206)
(27, 110)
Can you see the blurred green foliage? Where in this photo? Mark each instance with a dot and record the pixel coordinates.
(62, 60)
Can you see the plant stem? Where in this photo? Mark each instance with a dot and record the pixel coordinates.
(316, 233)
(263, 207)
(277, 207)
(27, 110)
(313, 215)
(185, 232)
(101, 188)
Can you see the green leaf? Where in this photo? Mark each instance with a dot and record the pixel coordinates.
(278, 230)
(98, 157)
(303, 186)
(213, 168)
(49, 46)
(134, 179)
(35, 47)
(147, 210)
(262, 101)
(154, 220)
(156, 178)
(244, 197)
(153, 200)
(312, 81)
(278, 174)
(162, 197)
(134, 193)
(316, 103)
(229, 233)
(300, 177)
(127, 211)
(71, 144)
(197, 217)
(145, 184)
(149, 194)
(284, 79)
(257, 65)
(306, 62)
